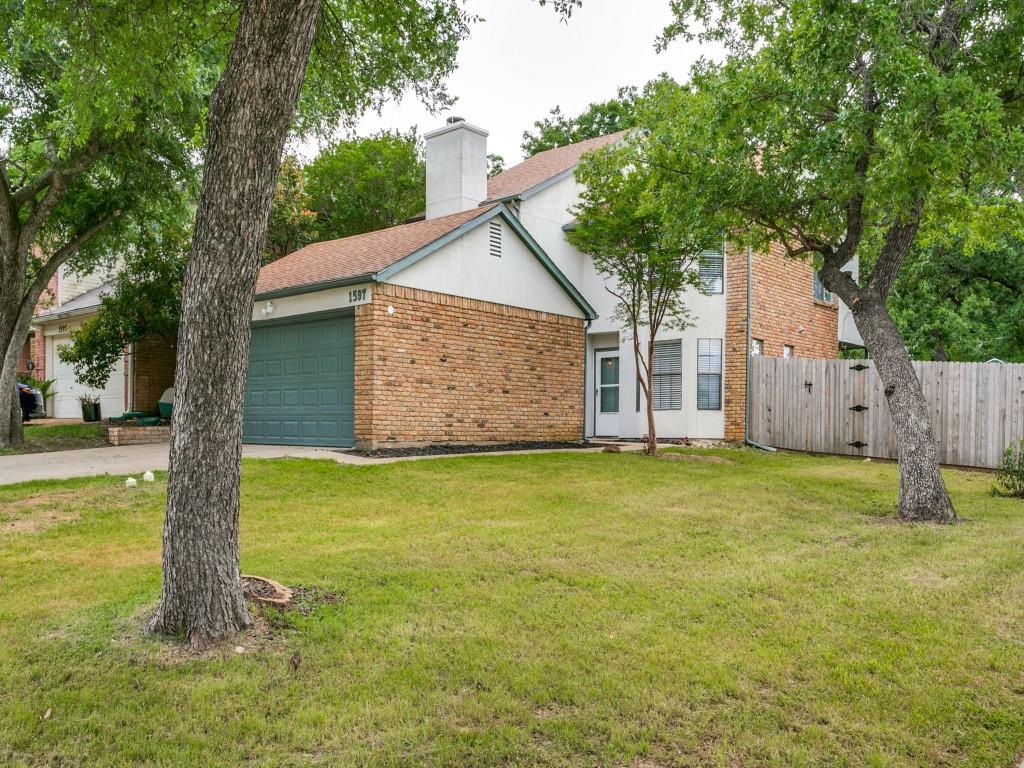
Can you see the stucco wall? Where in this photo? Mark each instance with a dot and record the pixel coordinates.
(442, 368)
(465, 267)
(544, 214)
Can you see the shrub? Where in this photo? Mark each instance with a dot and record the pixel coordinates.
(1010, 479)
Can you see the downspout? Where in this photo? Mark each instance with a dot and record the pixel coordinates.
(746, 389)
(586, 388)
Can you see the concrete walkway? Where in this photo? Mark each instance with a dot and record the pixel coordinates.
(136, 459)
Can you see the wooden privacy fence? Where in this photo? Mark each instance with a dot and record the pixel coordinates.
(838, 406)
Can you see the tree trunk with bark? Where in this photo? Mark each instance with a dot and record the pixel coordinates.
(923, 495)
(648, 369)
(645, 378)
(251, 111)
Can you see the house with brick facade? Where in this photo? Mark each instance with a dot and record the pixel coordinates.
(138, 379)
(480, 322)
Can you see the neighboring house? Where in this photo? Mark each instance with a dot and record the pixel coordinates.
(482, 323)
(137, 380)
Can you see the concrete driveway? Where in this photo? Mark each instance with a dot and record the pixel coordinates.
(134, 460)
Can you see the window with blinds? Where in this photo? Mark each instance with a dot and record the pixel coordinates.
(667, 375)
(709, 374)
(712, 271)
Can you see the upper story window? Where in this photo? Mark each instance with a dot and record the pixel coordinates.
(787, 350)
(757, 346)
(712, 270)
(821, 293)
(709, 374)
(667, 375)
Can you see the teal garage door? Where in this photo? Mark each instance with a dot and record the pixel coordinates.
(300, 382)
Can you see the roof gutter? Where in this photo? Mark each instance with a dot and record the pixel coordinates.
(295, 290)
(46, 319)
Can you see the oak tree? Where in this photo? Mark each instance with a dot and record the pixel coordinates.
(94, 139)
(845, 130)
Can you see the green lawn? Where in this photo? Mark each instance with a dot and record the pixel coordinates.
(60, 437)
(559, 609)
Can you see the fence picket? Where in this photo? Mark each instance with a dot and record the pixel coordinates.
(977, 409)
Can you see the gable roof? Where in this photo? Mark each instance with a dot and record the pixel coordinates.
(79, 305)
(544, 166)
(380, 255)
(358, 256)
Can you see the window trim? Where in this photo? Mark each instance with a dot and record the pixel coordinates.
(827, 297)
(674, 377)
(714, 375)
(718, 255)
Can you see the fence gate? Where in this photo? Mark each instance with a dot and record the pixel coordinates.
(838, 406)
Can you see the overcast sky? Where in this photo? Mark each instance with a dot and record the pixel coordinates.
(522, 60)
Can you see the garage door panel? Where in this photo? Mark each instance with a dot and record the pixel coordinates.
(67, 389)
(300, 384)
(329, 364)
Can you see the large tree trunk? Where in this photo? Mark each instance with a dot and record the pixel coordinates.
(251, 111)
(11, 433)
(923, 494)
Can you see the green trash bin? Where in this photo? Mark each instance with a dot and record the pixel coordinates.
(166, 403)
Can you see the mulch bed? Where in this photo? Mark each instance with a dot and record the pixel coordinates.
(450, 449)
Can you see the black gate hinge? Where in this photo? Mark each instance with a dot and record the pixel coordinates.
(858, 408)
(857, 444)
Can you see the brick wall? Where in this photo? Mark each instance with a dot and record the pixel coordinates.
(783, 311)
(136, 435)
(449, 369)
(34, 349)
(153, 366)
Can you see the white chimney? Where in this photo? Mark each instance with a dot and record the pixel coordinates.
(456, 168)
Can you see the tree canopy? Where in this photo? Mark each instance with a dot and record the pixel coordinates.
(362, 184)
(598, 119)
(292, 223)
(955, 304)
(145, 301)
(845, 130)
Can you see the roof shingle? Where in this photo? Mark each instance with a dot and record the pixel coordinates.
(358, 255)
(371, 252)
(543, 166)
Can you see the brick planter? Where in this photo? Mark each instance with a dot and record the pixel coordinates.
(132, 434)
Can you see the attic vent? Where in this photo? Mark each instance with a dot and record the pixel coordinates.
(495, 239)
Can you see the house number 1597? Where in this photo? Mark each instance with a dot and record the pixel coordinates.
(359, 294)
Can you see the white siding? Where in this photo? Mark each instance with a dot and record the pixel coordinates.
(544, 214)
(465, 267)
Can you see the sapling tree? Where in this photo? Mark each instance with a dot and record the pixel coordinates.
(845, 130)
(647, 252)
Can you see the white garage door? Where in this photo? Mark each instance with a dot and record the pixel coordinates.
(65, 401)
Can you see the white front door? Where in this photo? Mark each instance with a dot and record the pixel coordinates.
(606, 403)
